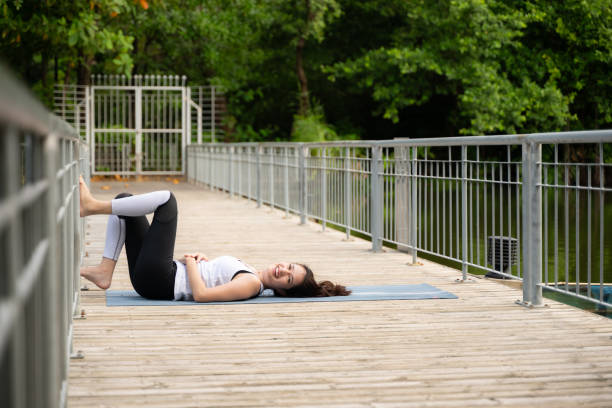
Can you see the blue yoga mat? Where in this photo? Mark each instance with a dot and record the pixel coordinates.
(360, 293)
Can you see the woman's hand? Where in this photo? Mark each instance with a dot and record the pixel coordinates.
(196, 256)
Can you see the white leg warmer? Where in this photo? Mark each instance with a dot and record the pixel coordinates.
(140, 204)
(115, 237)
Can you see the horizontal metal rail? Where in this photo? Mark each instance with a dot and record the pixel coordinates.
(41, 244)
(452, 198)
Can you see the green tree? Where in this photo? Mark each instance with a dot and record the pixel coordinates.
(65, 38)
(461, 49)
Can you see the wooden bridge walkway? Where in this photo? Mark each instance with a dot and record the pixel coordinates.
(478, 350)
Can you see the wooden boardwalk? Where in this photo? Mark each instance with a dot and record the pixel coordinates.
(478, 350)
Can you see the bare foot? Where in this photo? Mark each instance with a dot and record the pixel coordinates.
(86, 199)
(101, 275)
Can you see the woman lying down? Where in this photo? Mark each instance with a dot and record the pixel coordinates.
(156, 275)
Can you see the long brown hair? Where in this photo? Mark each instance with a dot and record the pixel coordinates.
(311, 288)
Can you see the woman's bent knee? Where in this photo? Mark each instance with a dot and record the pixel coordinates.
(168, 210)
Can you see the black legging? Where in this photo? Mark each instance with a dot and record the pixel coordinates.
(150, 250)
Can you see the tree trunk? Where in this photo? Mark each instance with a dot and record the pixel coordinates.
(55, 69)
(84, 68)
(299, 67)
(299, 64)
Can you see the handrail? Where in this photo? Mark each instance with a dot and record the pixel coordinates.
(449, 206)
(41, 244)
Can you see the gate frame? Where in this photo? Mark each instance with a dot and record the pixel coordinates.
(138, 129)
(200, 103)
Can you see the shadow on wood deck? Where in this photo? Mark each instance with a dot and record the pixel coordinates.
(478, 350)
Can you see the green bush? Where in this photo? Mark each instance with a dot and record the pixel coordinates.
(313, 128)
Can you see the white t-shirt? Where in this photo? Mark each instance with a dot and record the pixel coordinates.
(216, 272)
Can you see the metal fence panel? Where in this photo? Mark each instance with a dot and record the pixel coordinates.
(141, 124)
(41, 241)
(504, 205)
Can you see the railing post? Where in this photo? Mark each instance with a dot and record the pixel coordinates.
(258, 180)
(413, 204)
(302, 175)
(230, 176)
(347, 192)
(239, 152)
(138, 128)
(213, 120)
(192, 164)
(464, 213)
(50, 277)
(186, 122)
(286, 150)
(271, 161)
(211, 167)
(17, 367)
(323, 188)
(92, 126)
(532, 224)
(376, 210)
(249, 165)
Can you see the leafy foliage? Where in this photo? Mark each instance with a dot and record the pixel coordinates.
(379, 68)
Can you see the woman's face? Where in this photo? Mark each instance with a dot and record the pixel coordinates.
(282, 276)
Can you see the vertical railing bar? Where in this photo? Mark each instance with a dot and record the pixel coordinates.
(385, 202)
(430, 210)
(501, 214)
(545, 223)
(445, 188)
(376, 199)
(526, 217)
(258, 175)
(138, 127)
(238, 155)
(323, 188)
(577, 249)
(271, 157)
(566, 187)
(302, 176)
(457, 179)
(419, 201)
(601, 223)
(286, 151)
(230, 176)
(588, 256)
(493, 219)
(426, 212)
(485, 205)
(519, 189)
(556, 218)
(464, 244)
(347, 192)
(536, 222)
(438, 206)
(471, 211)
(509, 193)
(414, 205)
(478, 205)
(334, 185)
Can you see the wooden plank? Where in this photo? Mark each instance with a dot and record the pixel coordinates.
(478, 350)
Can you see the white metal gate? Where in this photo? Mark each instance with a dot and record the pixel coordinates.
(141, 125)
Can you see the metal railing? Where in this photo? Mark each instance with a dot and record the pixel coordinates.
(485, 204)
(41, 244)
(140, 124)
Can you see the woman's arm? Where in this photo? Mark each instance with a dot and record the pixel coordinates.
(242, 287)
(193, 274)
